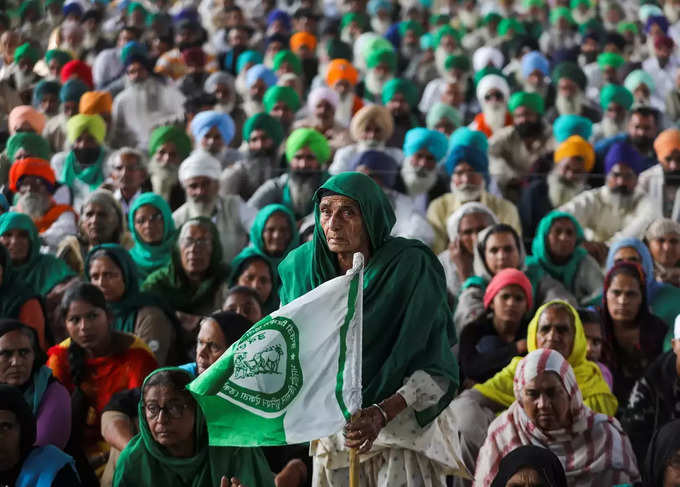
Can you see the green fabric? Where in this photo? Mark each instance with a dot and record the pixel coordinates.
(170, 133)
(358, 17)
(487, 70)
(592, 25)
(380, 56)
(285, 94)
(569, 70)
(287, 57)
(61, 56)
(36, 145)
(336, 49)
(92, 175)
(171, 284)
(14, 291)
(558, 13)
(37, 386)
(509, 23)
(287, 199)
(407, 323)
(265, 122)
(73, 90)
(26, 51)
(564, 273)
(403, 86)
(147, 257)
(491, 17)
(315, 141)
(576, 3)
(45, 87)
(412, 25)
(607, 59)
(257, 229)
(238, 266)
(250, 56)
(40, 271)
(532, 101)
(145, 463)
(617, 94)
(446, 30)
(458, 61)
(132, 6)
(26, 5)
(623, 27)
(124, 310)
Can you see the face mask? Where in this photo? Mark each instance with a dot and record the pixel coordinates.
(87, 155)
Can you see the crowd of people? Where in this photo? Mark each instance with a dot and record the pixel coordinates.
(172, 171)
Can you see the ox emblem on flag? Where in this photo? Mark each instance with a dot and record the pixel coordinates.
(266, 373)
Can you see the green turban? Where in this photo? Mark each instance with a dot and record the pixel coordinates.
(136, 6)
(491, 17)
(442, 110)
(638, 77)
(487, 70)
(28, 52)
(405, 26)
(358, 17)
(379, 56)
(170, 133)
(439, 18)
(569, 70)
(336, 49)
(93, 124)
(287, 57)
(592, 25)
(624, 27)
(263, 121)
(62, 57)
(617, 94)
(446, 30)
(285, 94)
(28, 4)
(533, 3)
(458, 61)
(561, 13)
(607, 59)
(304, 137)
(403, 86)
(509, 23)
(35, 144)
(532, 101)
(46, 87)
(72, 90)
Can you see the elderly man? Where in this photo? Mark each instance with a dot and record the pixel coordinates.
(641, 84)
(307, 153)
(513, 150)
(661, 182)
(662, 65)
(617, 209)
(55, 128)
(33, 180)
(212, 133)
(468, 168)
(353, 215)
(615, 101)
(535, 70)
(259, 79)
(108, 65)
(126, 173)
(400, 96)
(282, 102)
(570, 83)
(381, 66)
(561, 34)
(19, 146)
(23, 77)
(263, 135)
(46, 95)
(342, 77)
(187, 35)
(492, 94)
(321, 105)
(169, 145)
(457, 71)
(199, 174)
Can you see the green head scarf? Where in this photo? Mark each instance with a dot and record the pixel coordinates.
(40, 271)
(285, 94)
(403, 86)
(34, 144)
(150, 258)
(541, 254)
(458, 61)
(612, 59)
(170, 133)
(558, 13)
(257, 229)
(145, 462)
(508, 24)
(407, 324)
(264, 121)
(243, 258)
(412, 25)
(358, 17)
(289, 57)
(446, 30)
(14, 291)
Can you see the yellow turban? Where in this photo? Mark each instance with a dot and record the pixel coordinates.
(95, 103)
(94, 124)
(576, 146)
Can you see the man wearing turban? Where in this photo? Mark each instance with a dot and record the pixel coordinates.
(212, 132)
(493, 92)
(570, 82)
(46, 97)
(661, 182)
(661, 65)
(562, 32)
(25, 57)
(342, 77)
(400, 96)
(381, 66)
(282, 102)
(259, 79)
(615, 101)
(108, 65)
(69, 99)
(169, 145)
(171, 63)
(321, 105)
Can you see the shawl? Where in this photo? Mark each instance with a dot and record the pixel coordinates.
(124, 310)
(540, 459)
(592, 444)
(407, 325)
(653, 287)
(171, 284)
(596, 392)
(145, 462)
(92, 175)
(148, 257)
(40, 271)
(541, 253)
(664, 444)
(14, 291)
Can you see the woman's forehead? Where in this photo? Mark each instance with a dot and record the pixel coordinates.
(337, 200)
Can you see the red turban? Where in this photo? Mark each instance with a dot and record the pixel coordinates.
(79, 69)
(31, 166)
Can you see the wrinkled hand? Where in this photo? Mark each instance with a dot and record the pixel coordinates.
(462, 260)
(362, 431)
(294, 474)
(598, 250)
(230, 482)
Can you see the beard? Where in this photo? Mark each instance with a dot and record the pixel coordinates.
(203, 207)
(440, 55)
(569, 106)
(34, 205)
(163, 177)
(611, 127)
(529, 87)
(224, 107)
(417, 180)
(375, 83)
(303, 184)
(619, 197)
(560, 190)
(469, 18)
(529, 129)
(380, 26)
(467, 192)
(348, 36)
(582, 17)
(409, 51)
(343, 112)
(365, 145)
(494, 114)
(643, 144)
(23, 79)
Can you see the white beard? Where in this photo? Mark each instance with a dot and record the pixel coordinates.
(494, 114)
(163, 177)
(365, 145)
(145, 95)
(380, 26)
(417, 181)
(375, 84)
(347, 36)
(440, 55)
(531, 88)
(467, 192)
(23, 79)
(225, 107)
(567, 106)
(343, 112)
(468, 18)
(302, 191)
(672, 12)
(268, 61)
(643, 101)
(409, 52)
(201, 208)
(611, 127)
(560, 193)
(33, 204)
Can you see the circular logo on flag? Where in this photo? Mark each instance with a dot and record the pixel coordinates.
(266, 374)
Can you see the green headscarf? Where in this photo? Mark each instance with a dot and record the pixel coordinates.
(264, 121)
(145, 462)
(358, 17)
(407, 324)
(238, 264)
(408, 25)
(124, 310)
(14, 291)
(379, 56)
(532, 101)
(40, 271)
(541, 254)
(617, 94)
(170, 133)
(35, 144)
(150, 258)
(171, 284)
(91, 175)
(257, 229)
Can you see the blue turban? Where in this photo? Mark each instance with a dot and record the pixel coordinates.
(187, 14)
(532, 61)
(247, 57)
(624, 153)
(72, 90)
(72, 8)
(204, 121)
(374, 6)
(567, 125)
(260, 71)
(381, 164)
(467, 136)
(470, 154)
(653, 286)
(659, 20)
(421, 138)
(4, 204)
(279, 15)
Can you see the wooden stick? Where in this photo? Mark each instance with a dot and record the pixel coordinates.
(353, 467)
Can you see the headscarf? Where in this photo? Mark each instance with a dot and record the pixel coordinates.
(541, 460)
(151, 257)
(289, 57)
(667, 142)
(575, 146)
(533, 61)
(567, 125)
(260, 71)
(492, 82)
(593, 443)
(285, 94)
(170, 133)
(246, 257)
(381, 165)
(485, 56)
(532, 101)
(458, 61)
(661, 227)
(306, 137)
(280, 16)
(149, 463)
(617, 94)
(624, 153)
(265, 122)
(382, 56)
(665, 443)
(508, 277)
(72, 90)
(595, 390)
(442, 110)
(198, 164)
(79, 69)
(35, 144)
(204, 121)
(419, 138)
(26, 113)
(14, 291)
(95, 103)
(569, 70)
(469, 208)
(651, 284)
(638, 77)
(376, 113)
(93, 124)
(403, 86)
(45, 87)
(256, 230)
(341, 69)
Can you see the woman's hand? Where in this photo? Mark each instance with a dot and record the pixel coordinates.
(363, 429)
(462, 260)
(233, 482)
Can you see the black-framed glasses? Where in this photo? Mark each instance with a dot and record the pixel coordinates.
(174, 410)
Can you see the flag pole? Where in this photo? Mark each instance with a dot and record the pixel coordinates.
(353, 467)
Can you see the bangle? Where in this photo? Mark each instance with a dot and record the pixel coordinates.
(383, 413)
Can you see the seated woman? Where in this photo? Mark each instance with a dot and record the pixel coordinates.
(530, 465)
(274, 233)
(549, 411)
(557, 249)
(592, 326)
(22, 366)
(24, 464)
(633, 336)
(172, 449)
(490, 343)
(462, 228)
(500, 247)
(110, 268)
(251, 269)
(94, 363)
(663, 239)
(18, 300)
(244, 301)
(153, 230)
(662, 465)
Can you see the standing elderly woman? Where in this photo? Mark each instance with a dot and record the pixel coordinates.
(409, 372)
(557, 249)
(169, 145)
(549, 412)
(321, 105)
(663, 239)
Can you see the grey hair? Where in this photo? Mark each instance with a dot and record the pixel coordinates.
(116, 156)
(185, 229)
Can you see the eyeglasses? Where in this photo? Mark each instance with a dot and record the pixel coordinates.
(494, 95)
(197, 242)
(148, 219)
(174, 410)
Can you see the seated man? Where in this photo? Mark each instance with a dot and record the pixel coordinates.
(570, 83)
(127, 173)
(492, 93)
(661, 182)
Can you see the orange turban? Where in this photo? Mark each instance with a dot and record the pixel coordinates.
(302, 39)
(576, 146)
(666, 142)
(31, 166)
(341, 69)
(95, 103)
(26, 113)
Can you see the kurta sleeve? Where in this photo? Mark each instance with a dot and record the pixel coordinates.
(421, 390)
(436, 215)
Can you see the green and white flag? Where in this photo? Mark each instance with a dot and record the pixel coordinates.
(295, 376)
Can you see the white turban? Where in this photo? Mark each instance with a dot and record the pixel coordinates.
(200, 163)
(485, 55)
(492, 82)
(322, 93)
